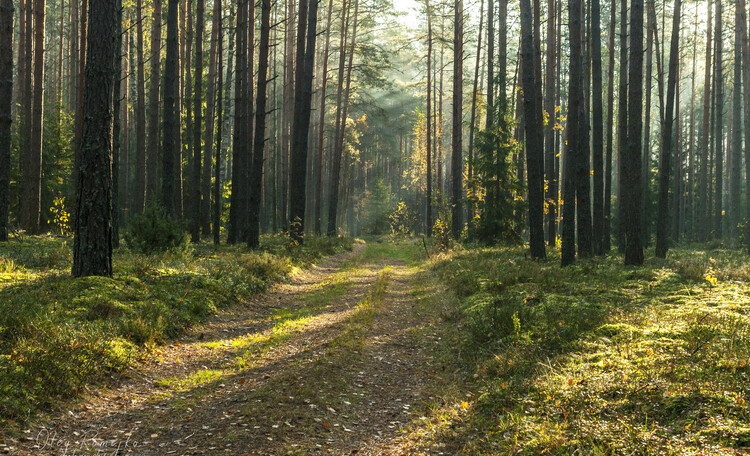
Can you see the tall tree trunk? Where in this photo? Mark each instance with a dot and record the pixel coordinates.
(473, 126)
(210, 124)
(575, 118)
(743, 25)
(321, 134)
(240, 148)
(719, 119)
(171, 113)
(27, 103)
(549, 131)
(632, 160)
(457, 162)
(92, 249)
(341, 115)
(127, 70)
(534, 140)
(607, 234)
(583, 167)
(691, 224)
(260, 123)
(81, 60)
(152, 157)
(60, 54)
(428, 201)
(598, 130)
(651, 43)
(665, 159)
(6, 100)
(622, 123)
(490, 63)
(140, 121)
(218, 203)
(22, 71)
(736, 172)
(32, 200)
(302, 105)
(116, 127)
(195, 200)
(703, 207)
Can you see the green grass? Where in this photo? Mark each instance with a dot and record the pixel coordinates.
(596, 358)
(58, 334)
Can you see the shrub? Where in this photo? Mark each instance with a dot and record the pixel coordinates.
(154, 232)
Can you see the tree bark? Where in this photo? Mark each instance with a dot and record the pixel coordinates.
(665, 160)
(534, 140)
(734, 185)
(622, 123)
(218, 203)
(116, 127)
(340, 125)
(743, 25)
(457, 161)
(205, 217)
(607, 234)
(321, 135)
(428, 196)
(240, 148)
(473, 126)
(92, 249)
(549, 131)
(575, 114)
(719, 123)
(302, 105)
(32, 199)
(260, 123)
(6, 100)
(598, 130)
(632, 191)
(703, 208)
(171, 113)
(195, 200)
(152, 158)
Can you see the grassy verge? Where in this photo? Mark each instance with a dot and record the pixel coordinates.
(596, 358)
(58, 334)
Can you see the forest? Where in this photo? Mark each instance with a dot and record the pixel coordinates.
(374, 227)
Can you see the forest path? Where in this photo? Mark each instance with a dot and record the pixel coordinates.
(334, 362)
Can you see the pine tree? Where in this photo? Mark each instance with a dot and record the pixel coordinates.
(92, 250)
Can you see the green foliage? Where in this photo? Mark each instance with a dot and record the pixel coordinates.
(402, 220)
(59, 216)
(441, 231)
(599, 358)
(495, 187)
(153, 232)
(377, 208)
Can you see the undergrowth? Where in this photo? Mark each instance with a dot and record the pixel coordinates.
(597, 358)
(58, 334)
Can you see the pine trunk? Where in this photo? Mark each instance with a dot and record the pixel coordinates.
(598, 129)
(575, 118)
(631, 163)
(92, 250)
(195, 200)
(6, 100)
(665, 159)
(457, 167)
(152, 157)
(534, 139)
(171, 113)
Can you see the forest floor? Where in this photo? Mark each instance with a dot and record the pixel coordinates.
(384, 351)
(335, 361)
